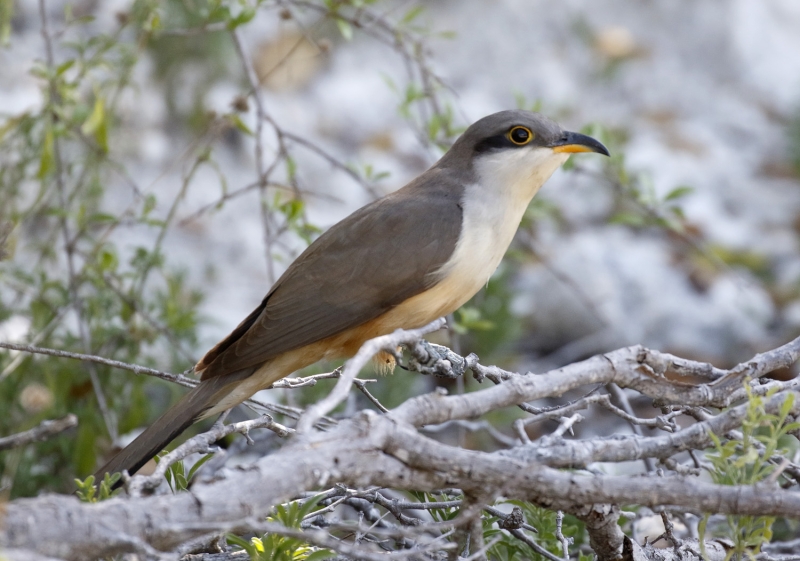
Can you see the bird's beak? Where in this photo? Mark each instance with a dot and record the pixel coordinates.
(572, 142)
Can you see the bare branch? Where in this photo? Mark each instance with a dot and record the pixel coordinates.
(521, 536)
(201, 444)
(387, 450)
(45, 430)
(367, 450)
(180, 379)
(625, 367)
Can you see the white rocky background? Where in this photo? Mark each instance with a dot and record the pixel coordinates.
(704, 91)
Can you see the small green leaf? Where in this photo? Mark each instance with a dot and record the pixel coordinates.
(307, 508)
(64, 66)
(244, 544)
(237, 122)
(293, 209)
(412, 14)
(245, 16)
(345, 28)
(787, 405)
(102, 217)
(149, 204)
(678, 192)
(320, 555)
(198, 464)
(6, 14)
(291, 168)
(86, 489)
(628, 219)
(97, 125)
(47, 157)
(108, 260)
(434, 126)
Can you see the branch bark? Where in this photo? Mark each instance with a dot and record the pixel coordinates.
(365, 451)
(45, 430)
(388, 451)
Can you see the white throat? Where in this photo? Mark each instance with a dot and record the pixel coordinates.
(495, 203)
(492, 210)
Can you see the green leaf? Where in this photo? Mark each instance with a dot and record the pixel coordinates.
(678, 192)
(6, 13)
(245, 16)
(787, 405)
(307, 507)
(627, 218)
(97, 124)
(86, 489)
(345, 28)
(791, 427)
(701, 532)
(239, 124)
(149, 204)
(102, 217)
(47, 157)
(64, 66)
(434, 126)
(412, 14)
(175, 474)
(84, 447)
(291, 168)
(198, 464)
(244, 544)
(470, 318)
(321, 554)
(108, 260)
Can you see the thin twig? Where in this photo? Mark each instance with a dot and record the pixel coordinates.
(69, 243)
(45, 430)
(565, 541)
(135, 368)
(353, 366)
(523, 537)
(261, 118)
(202, 444)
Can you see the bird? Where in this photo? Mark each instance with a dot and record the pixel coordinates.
(402, 261)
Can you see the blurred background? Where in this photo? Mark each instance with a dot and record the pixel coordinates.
(150, 194)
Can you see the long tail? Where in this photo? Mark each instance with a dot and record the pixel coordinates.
(167, 427)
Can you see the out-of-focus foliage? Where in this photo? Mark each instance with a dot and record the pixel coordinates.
(69, 282)
(274, 547)
(749, 461)
(88, 492)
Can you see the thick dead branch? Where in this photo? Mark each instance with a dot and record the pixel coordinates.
(605, 535)
(628, 368)
(372, 450)
(622, 448)
(368, 450)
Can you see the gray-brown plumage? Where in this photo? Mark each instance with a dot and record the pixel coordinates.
(401, 261)
(371, 261)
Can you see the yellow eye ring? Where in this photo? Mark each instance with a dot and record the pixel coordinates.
(520, 135)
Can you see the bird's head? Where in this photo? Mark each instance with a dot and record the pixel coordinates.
(516, 147)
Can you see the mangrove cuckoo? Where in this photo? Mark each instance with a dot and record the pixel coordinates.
(400, 262)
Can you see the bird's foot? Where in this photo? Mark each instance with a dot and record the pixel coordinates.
(435, 360)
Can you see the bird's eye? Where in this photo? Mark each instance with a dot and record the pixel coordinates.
(520, 135)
